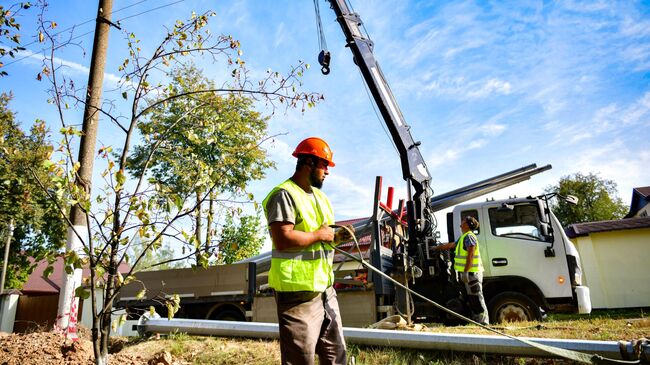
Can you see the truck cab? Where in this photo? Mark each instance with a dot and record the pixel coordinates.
(530, 264)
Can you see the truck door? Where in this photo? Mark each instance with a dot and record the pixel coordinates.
(515, 247)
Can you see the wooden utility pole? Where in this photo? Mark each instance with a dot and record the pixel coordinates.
(68, 303)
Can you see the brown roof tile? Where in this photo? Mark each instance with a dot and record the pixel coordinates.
(583, 229)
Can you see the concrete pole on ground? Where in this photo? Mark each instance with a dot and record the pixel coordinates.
(67, 312)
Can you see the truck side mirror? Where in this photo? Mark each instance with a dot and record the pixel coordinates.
(547, 233)
(572, 199)
(549, 252)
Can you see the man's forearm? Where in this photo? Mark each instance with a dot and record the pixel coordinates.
(446, 246)
(295, 239)
(285, 237)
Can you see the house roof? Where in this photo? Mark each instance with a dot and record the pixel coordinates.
(640, 198)
(583, 229)
(37, 284)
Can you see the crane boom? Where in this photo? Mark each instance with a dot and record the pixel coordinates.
(414, 169)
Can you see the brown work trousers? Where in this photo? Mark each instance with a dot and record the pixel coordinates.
(310, 324)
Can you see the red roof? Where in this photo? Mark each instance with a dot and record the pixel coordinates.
(37, 284)
(583, 229)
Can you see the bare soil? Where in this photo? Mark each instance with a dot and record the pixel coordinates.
(49, 348)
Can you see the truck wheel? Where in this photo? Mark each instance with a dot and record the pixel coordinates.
(229, 315)
(513, 307)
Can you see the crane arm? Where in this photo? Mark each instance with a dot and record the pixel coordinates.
(414, 169)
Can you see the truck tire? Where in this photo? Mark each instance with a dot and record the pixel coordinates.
(512, 306)
(229, 315)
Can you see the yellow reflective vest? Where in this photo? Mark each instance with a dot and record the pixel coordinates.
(309, 268)
(461, 255)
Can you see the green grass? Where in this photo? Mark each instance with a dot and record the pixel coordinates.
(602, 314)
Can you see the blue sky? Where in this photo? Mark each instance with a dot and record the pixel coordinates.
(487, 87)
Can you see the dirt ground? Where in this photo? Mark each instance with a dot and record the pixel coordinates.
(49, 348)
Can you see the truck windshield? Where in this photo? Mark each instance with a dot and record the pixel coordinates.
(520, 222)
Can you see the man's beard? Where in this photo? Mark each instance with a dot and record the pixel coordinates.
(314, 181)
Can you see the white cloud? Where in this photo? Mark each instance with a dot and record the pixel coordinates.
(611, 119)
(462, 88)
(278, 149)
(615, 161)
(350, 200)
(492, 86)
(454, 153)
(280, 35)
(493, 129)
(639, 112)
(74, 66)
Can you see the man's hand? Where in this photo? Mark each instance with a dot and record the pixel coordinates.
(343, 235)
(325, 233)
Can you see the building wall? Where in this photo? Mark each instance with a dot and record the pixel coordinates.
(616, 267)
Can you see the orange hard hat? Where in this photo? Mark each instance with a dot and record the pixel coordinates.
(316, 147)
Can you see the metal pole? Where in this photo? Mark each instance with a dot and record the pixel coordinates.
(67, 300)
(478, 344)
(10, 234)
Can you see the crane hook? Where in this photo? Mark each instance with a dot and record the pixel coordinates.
(324, 60)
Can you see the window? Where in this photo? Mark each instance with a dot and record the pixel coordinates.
(522, 221)
(471, 213)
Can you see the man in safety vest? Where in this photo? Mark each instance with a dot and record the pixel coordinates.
(299, 215)
(468, 265)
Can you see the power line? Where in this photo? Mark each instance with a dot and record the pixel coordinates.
(87, 33)
(88, 21)
(150, 10)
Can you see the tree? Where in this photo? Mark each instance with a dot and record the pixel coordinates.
(9, 27)
(220, 134)
(598, 199)
(161, 258)
(39, 229)
(240, 241)
(147, 207)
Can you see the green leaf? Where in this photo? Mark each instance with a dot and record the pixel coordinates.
(48, 271)
(141, 294)
(120, 178)
(82, 293)
(119, 322)
(173, 305)
(178, 201)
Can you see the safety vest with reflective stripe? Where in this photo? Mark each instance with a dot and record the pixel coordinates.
(310, 268)
(461, 255)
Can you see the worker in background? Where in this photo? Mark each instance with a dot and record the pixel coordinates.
(468, 265)
(299, 215)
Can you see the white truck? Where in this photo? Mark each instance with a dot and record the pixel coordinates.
(529, 262)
